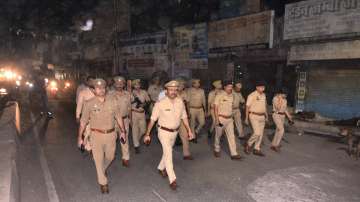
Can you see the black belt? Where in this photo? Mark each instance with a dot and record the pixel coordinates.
(125, 117)
(168, 129)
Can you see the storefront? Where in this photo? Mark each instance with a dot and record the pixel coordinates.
(325, 46)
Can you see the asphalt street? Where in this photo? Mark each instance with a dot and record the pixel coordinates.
(309, 168)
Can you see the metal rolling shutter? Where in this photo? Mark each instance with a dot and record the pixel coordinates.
(334, 93)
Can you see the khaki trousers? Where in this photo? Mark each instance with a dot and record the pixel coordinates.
(167, 140)
(184, 136)
(138, 127)
(212, 113)
(238, 122)
(125, 147)
(103, 150)
(279, 121)
(197, 115)
(258, 125)
(228, 127)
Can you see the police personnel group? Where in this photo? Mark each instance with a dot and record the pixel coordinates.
(106, 112)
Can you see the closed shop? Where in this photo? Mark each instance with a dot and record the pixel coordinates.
(333, 92)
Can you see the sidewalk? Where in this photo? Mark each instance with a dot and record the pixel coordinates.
(9, 187)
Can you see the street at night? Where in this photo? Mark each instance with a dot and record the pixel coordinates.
(180, 100)
(309, 168)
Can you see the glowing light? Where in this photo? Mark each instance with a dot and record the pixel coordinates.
(18, 83)
(31, 85)
(67, 85)
(19, 78)
(88, 25)
(46, 80)
(53, 84)
(3, 91)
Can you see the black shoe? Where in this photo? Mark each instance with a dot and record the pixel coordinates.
(258, 153)
(194, 140)
(137, 150)
(104, 189)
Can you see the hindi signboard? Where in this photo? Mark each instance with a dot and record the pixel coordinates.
(191, 46)
(318, 18)
(251, 30)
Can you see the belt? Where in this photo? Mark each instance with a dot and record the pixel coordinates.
(102, 131)
(259, 114)
(168, 129)
(281, 113)
(138, 111)
(235, 108)
(125, 117)
(225, 117)
(196, 107)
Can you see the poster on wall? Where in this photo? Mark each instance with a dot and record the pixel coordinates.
(191, 47)
(145, 51)
(234, 34)
(301, 92)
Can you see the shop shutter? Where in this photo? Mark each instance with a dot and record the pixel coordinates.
(334, 93)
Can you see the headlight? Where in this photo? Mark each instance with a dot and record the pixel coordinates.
(18, 83)
(3, 91)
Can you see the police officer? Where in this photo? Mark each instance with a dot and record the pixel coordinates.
(154, 91)
(238, 101)
(280, 112)
(211, 98)
(102, 114)
(197, 105)
(84, 94)
(182, 130)
(169, 112)
(140, 98)
(223, 105)
(123, 100)
(257, 114)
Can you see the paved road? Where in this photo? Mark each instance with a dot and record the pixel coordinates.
(309, 168)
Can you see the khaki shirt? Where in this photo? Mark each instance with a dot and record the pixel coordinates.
(84, 95)
(224, 102)
(169, 113)
(211, 97)
(143, 97)
(238, 99)
(184, 96)
(101, 115)
(123, 101)
(196, 97)
(154, 92)
(256, 102)
(279, 104)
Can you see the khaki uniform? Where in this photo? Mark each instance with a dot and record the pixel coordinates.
(169, 114)
(197, 104)
(84, 95)
(154, 91)
(138, 117)
(224, 103)
(182, 130)
(257, 108)
(279, 109)
(211, 99)
(123, 102)
(102, 116)
(238, 100)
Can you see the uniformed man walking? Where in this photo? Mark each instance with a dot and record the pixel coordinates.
(102, 114)
(197, 106)
(123, 100)
(169, 112)
(223, 106)
(257, 114)
(280, 112)
(238, 101)
(85, 93)
(211, 98)
(154, 91)
(140, 98)
(183, 133)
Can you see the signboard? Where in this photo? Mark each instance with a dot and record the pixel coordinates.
(191, 46)
(301, 92)
(145, 50)
(244, 31)
(326, 51)
(315, 18)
